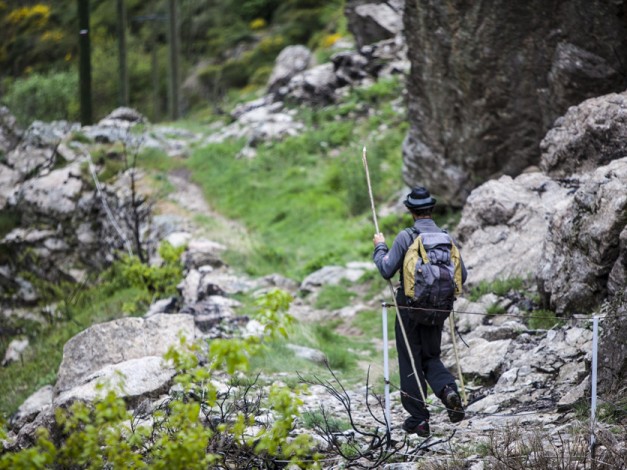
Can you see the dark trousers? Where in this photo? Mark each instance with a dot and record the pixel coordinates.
(424, 342)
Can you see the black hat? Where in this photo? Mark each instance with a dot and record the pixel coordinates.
(419, 198)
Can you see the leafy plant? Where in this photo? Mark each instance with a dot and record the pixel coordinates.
(543, 320)
(47, 97)
(195, 428)
(499, 287)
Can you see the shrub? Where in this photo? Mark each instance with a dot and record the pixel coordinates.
(195, 428)
(45, 97)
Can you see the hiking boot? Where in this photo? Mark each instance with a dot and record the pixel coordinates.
(453, 403)
(416, 426)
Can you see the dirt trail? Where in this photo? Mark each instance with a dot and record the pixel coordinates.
(188, 202)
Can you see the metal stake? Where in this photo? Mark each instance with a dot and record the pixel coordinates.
(386, 367)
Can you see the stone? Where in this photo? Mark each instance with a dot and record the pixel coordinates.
(201, 252)
(38, 402)
(588, 136)
(313, 86)
(582, 245)
(50, 197)
(15, 351)
(132, 380)
(308, 354)
(485, 87)
(371, 21)
(8, 181)
(119, 341)
(10, 133)
(484, 359)
(504, 224)
(333, 275)
(289, 62)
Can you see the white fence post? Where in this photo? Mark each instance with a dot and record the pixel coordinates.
(593, 405)
(386, 366)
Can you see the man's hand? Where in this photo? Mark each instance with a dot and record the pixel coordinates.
(378, 238)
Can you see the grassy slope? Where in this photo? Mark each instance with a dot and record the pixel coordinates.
(305, 197)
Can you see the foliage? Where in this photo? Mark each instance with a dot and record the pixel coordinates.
(500, 287)
(127, 286)
(195, 428)
(320, 211)
(152, 282)
(46, 97)
(543, 320)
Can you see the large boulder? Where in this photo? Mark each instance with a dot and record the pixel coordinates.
(116, 342)
(585, 250)
(504, 224)
(489, 77)
(289, 62)
(586, 137)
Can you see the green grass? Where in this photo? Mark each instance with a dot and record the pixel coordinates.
(306, 197)
(499, 287)
(543, 320)
(334, 297)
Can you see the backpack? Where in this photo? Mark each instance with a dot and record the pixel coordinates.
(432, 276)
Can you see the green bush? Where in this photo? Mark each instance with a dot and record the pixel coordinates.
(543, 320)
(46, 97)
(194, 429)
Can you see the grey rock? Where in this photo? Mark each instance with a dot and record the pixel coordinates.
(334, 275)
(308, 354)
(314, 86)
(504, 224)
(582, 246)
(588, 136)
(40, 401)
(373, 21)
(10, 133)
(201, 252)
(50, 197)
(15, 350)
(8, 181)
(289, 62)
(485, 87)
(119, 341)
(134, 380)
(485, 359)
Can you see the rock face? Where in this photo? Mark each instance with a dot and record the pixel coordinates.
(569, 231)
(504, 224)
(489, 78)
(586, 137)
(584, 252)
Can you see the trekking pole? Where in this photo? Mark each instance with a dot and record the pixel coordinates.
(459, 367)
(398, 313)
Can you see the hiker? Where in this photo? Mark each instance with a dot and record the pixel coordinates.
(424, 339)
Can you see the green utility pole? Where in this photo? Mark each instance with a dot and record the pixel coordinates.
(173, 40)
(84, 62)
(122, 68)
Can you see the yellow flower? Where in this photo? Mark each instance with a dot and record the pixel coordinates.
(54, 35)
(39, 14)
(330, 39)
(257, 23)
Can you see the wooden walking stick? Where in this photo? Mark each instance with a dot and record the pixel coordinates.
(398, 313)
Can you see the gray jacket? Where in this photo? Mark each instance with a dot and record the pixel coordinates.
(389, 261)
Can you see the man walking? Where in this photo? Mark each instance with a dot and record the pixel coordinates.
(424, 340)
